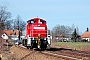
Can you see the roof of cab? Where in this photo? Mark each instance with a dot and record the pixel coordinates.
(36, 19)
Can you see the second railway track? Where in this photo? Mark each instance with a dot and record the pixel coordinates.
(61, 56)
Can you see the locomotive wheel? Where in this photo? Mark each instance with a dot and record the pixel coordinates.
(42, 49)
(27, 47)
(31, 47)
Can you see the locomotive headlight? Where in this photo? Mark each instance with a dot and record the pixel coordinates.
(44, 38)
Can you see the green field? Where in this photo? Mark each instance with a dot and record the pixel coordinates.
(74, 45)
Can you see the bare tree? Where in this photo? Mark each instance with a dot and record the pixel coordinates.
(68, 31)
(73, 27)
(8, 24)
(61, 30)
(19, 24)
(4, 15)
(56, 30)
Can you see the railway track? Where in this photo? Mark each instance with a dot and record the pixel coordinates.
(66, 54)
(71, 53)
(64, 57)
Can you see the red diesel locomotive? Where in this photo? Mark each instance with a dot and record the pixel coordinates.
(36, 34)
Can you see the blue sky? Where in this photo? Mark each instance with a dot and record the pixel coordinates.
(63, 12)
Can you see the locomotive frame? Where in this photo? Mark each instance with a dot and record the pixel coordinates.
(36, 34)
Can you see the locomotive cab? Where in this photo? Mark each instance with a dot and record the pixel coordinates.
(36, 34)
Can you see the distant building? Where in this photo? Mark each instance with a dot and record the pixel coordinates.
(11, 32)
(86, 36)
(4, 36)
(12, 35)
(59, 38)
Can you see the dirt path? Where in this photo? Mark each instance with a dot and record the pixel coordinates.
(24, 54)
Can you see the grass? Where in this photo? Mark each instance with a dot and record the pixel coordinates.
(74, 45)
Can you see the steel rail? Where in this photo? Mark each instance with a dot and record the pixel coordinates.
(61, 56)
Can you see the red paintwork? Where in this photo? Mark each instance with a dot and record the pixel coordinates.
(37, 28)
